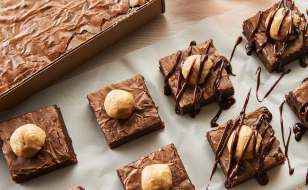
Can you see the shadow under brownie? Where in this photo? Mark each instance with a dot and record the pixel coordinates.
(186, 102)
(57, 152)
(130, 175)
(144, 119)
(274, 157)
(293, 49)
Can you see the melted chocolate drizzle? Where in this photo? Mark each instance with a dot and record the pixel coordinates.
(306, 178)
(292, 31)
(286, 146)
(272, 88)
(225, 105)
(199, 88)
(262, 177)
(299, 131)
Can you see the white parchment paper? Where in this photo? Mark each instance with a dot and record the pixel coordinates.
(97, 163)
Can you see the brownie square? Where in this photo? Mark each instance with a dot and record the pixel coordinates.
(130, 175)
(77, 188)
(266, 55)
(144, 119)
(56, 153)
(186, 103)
(296, 98)
(274, 158)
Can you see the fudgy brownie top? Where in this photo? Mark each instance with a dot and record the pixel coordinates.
(56, 149)
(250, 165)
(130, 174)
(293, 47)
(35, 33)
(187, 98)
(144, 115)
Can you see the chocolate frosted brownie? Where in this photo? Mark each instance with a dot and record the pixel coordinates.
(186, 102)
(56, 153)
(255, 166)
(130, 175)
(77, 188)
(143, 120)
(274, 53)
(35, 33)
(298, 101)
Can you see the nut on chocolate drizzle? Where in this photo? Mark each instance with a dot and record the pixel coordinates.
(293, 30)
(261, 177)
(220, 64)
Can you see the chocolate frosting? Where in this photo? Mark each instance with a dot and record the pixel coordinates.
(131, 173)
(250, 165)
(56, 149)
(187, 98)
(144, 115)
(35, 33)
(294, 46)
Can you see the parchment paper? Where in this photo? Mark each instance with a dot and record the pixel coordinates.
(97, 163)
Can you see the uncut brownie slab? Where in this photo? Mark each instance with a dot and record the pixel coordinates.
(144, 119)
(266, 55)
(35, 33)
(296, 98)
(274, 158)
(56, 153)
(186, 103)
(130, 175)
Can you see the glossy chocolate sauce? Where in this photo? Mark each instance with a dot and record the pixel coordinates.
(249, 46)
(293, 30)
(305, 80)
(272, 88)
(223, 141)
(228, 65)
(306, 178)
(299, 130)
(200, 88)
(262, 177)
(286, 146)
(225, 105)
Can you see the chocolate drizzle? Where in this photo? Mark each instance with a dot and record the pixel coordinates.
(235, 126)
(225, 105)
(272, 88)
(286, 146)
(306, 178)
(199, 88)
(299, 131)
(293, 30)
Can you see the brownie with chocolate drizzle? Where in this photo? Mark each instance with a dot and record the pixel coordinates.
(239, 170)
(189, 98)
(298, 101)
(274, 54)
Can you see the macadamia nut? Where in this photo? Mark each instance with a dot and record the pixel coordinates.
(156, 177)
(119, 104)
(285, 26)
(194, 74)
(244, 134)
(27, 140)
